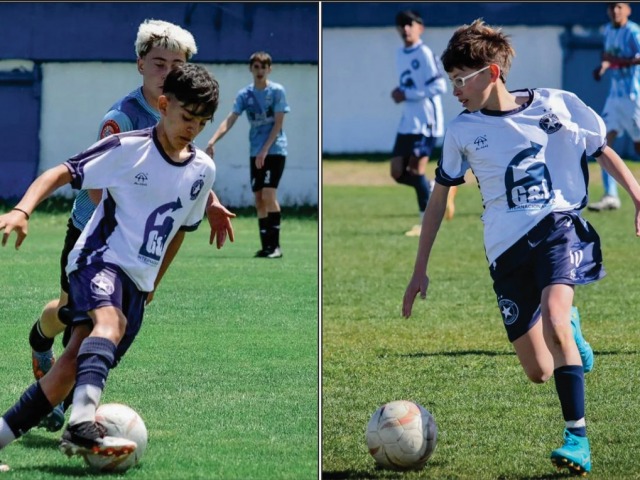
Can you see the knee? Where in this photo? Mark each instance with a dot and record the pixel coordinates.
(538, 375)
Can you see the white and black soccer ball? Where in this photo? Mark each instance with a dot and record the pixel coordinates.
(401, 435)
(124, 422)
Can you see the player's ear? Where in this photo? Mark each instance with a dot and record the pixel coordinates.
(139, 63)
(163, 103)
(495, 72)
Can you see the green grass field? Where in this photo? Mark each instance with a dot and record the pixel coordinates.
(224, 371)
(452, 356)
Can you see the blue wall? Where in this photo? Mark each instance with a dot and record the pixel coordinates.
(225, 32)
(443, 14)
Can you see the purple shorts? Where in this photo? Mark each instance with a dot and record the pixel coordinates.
(101, 285)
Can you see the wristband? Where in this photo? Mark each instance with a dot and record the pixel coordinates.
(20, 210)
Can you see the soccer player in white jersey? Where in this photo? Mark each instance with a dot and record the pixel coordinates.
(621, 113)
(420, 84)
(528, 150)
(266, 104)
(156, 187)
(159, 46)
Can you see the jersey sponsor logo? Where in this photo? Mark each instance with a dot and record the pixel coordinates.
(406, 81)
(527, 181)
(102, 285)
(109, 128)
(550, 123)
(156, 233)
(481, 142)
(141, 179)
(196, 188)
(509, 311)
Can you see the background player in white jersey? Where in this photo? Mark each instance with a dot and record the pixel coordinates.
(528, 149)
(621, 113)
(266, 104)
(159, 46)
(420, 83)
(118, 259)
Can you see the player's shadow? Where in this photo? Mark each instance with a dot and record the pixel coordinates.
(33, 440)
(67, 471)
(456, 353)
(377, 473)
(548, 476)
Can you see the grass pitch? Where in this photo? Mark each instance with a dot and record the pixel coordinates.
(452, 356)
(224, 371)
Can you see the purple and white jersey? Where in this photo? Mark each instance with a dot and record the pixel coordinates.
(422, 81)
(148, 198)
(529, 162)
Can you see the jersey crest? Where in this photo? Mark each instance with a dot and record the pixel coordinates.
(109, 128)
(550, 123)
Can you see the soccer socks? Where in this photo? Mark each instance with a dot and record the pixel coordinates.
(37, 340)
(25, 413)
(263, 224)
(569, 381)
(273, 235)
(420, 184)
(95, 358)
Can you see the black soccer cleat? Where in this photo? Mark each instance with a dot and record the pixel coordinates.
(90, 437)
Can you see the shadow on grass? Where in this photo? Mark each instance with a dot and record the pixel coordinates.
(68, 471)
(33, 440)
(492, 353)
(564, 474)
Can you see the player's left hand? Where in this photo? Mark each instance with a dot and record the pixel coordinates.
(220, 222)
(14, 220)
(416, 285)
(398, 95)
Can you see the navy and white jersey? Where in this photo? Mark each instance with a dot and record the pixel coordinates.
(132, 112)
(148, 198)
(624, 42)
(422, 81)
(261, 107)
(529, 162)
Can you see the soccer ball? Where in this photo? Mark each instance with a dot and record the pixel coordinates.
(401, 435)
(123, 422)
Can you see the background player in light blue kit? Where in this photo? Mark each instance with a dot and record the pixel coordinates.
(266, 104)
(159, 46)
(122, 253)
(532, 171)
(420, 83)
(621, 113)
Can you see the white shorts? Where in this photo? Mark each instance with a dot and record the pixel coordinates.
(622, 114)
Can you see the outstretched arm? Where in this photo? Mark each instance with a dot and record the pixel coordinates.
(224, 127)
(615, 166)
(430, 226)
(219, 221)
(41, 188)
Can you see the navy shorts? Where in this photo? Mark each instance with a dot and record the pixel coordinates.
(101, 285)
(269, 175)
(562, 249)
(413, 145)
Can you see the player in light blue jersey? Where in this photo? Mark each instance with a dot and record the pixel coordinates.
(266, 104)
(621, 113)
(159, 47)
(528, 150)
(420, 84)
(122, 253)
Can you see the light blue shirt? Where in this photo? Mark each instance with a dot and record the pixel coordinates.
(624, 42)
(261, 107)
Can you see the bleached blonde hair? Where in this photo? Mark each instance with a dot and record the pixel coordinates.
(158, 33)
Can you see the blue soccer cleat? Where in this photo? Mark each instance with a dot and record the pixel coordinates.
(575, 454)
(586, 352)
(42, 362)
(54, 421)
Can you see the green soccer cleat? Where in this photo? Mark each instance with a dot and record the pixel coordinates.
(586, 352)
(575, 454)
(54, 421)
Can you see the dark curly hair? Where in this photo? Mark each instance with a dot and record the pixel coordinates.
(194, 87)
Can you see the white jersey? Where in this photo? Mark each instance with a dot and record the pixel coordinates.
(422, 81)
(148, 198)
(528, 162)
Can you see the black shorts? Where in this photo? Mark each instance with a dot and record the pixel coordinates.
(70, 239)
(562, 249)
(269, 175)
(413, 145)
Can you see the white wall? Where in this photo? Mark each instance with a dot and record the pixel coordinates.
(359, 73)
(75, 97)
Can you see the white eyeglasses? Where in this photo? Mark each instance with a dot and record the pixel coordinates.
(460, 82)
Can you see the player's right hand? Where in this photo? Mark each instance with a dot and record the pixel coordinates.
(14, 221)
(416, 285)
(210, 149)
